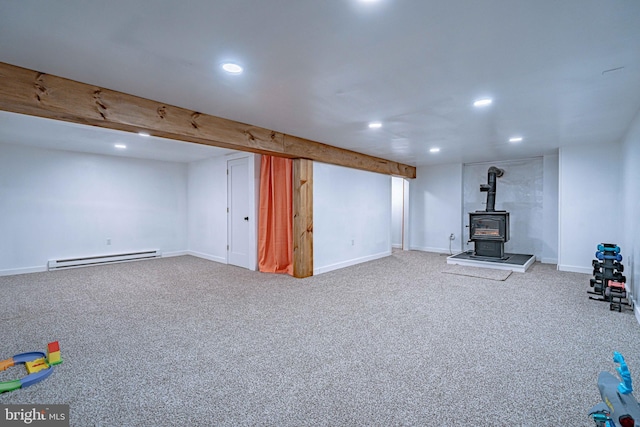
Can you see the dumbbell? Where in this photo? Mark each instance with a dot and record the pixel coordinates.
(617, 277)
(615, 291)
(609, 276)
(597, 286)
(602, 256)
(618, 266)
(609, 247)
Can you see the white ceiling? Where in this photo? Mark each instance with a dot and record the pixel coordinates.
(58, 135)
(322, 70)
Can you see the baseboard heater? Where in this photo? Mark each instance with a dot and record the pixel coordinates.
(58, 264)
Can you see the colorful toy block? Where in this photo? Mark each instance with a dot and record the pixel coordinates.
(53, 353)
(36, 365)
(39, 366)
(53, 346)
(5, 364)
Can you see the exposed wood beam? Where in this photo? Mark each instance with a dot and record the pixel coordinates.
(302, 148)
(302, 218)
(30, 92)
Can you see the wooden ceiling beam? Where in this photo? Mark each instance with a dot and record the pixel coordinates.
(34, 93)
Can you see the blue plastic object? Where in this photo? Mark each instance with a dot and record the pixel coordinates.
(36, 377)
(30, 379)
(615, 249)
(601, 256)
(625, 387)
(618, 405)
(28, 357)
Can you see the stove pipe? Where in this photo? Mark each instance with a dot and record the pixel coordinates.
(490, 187)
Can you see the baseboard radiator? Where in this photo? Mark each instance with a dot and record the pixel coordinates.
(59, 264)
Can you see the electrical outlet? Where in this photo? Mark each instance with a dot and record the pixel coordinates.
(108, 241)
(353, 242)
(452, 236)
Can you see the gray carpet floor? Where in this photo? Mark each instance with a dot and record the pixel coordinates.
(393, 342)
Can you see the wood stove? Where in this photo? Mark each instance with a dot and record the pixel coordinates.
(489, 229)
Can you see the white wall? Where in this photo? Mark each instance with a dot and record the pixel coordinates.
(56, 204)
(550, 209)
(397, 211)
(207, 207)
(520, 192)
(630, 180)
(590, 203)
(351, 216)
(436, 208)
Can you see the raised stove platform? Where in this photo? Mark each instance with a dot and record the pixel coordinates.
(514, 262)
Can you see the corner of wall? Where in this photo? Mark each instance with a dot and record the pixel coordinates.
(221, 260)
(350, 262)
(574, 269)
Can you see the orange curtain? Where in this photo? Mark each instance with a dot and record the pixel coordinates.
(275, 221)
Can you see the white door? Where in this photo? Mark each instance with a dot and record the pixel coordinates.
(238, 216)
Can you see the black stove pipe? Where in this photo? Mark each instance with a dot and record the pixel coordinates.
(490, 187)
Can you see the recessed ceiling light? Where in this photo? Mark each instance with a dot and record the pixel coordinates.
(145, 134)
(120, 146)
(375, 125)
(232, 68)
(515, 139)
(434, 150)
(482, 102)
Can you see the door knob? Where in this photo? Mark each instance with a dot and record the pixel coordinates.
(246, 218)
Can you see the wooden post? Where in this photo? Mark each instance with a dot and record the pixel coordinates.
(302, 218)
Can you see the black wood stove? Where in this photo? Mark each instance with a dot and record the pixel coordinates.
(489, 229)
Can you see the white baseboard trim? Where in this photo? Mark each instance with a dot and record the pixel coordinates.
(575, 269)
(350, 262)
(549, 260)
(636, 310)
(202, 255)
(25, 270)
(397, 245)
(435, 250)
(176, 253)
(43, 268)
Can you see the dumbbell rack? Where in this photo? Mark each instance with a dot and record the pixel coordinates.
(608, 281)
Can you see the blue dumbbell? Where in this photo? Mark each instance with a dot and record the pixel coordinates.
(602, 256)
(615, 249)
